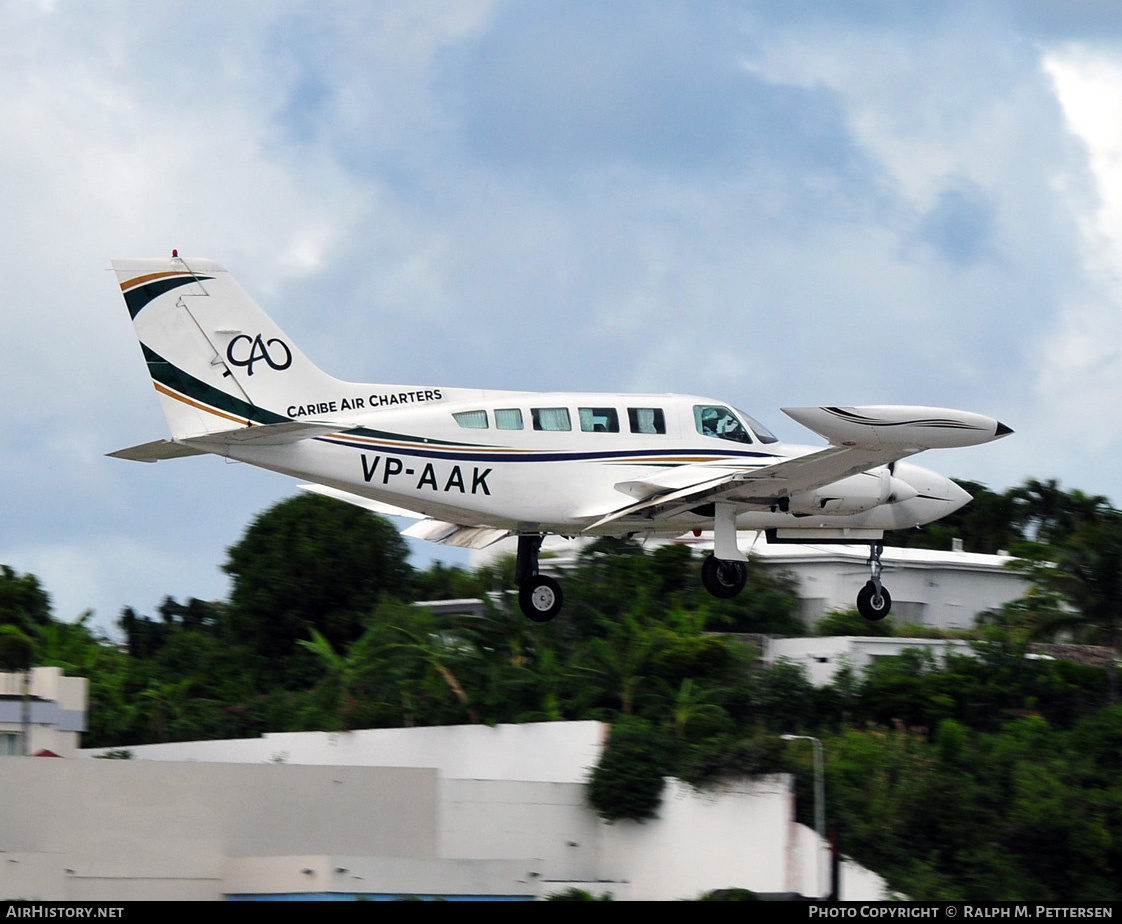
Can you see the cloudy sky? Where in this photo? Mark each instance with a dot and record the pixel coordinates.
(771, 203)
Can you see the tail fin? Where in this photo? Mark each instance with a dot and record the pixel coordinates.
(218, 362)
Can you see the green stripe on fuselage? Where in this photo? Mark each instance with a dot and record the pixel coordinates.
(177, 380)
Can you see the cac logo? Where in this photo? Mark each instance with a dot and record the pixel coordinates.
(274, 352)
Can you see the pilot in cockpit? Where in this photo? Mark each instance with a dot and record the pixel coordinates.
(721, 423)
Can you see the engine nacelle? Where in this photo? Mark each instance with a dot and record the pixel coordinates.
(854, 494)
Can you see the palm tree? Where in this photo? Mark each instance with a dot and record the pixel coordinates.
(620, 661)
(1087, 575)
(1049, 515)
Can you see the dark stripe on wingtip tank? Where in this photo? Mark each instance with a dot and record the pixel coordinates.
(137, 298)
(938, 423)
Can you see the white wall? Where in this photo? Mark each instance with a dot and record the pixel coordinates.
(561, 752)
(550, 822)
(100, 829)
(736, 837)
(170, 827)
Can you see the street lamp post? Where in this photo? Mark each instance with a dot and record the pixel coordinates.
(819, 802)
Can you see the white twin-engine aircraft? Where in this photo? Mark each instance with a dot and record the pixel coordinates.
(475, 466)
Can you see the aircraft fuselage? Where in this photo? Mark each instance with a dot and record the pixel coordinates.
(561, 480)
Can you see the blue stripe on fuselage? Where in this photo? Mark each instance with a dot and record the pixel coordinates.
(635, 455)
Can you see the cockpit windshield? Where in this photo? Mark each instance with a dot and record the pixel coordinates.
(763, 434)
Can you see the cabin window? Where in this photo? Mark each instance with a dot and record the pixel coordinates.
(716, 420)
(472, 420)
(599, 419)
(551, 418)
(508, 418)
(646, 420)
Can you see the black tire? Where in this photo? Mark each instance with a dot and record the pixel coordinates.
(540, 598)
(723, 579)
(871, 605)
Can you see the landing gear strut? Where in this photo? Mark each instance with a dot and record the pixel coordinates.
(873, 600)
(539, 596)
(725, 572)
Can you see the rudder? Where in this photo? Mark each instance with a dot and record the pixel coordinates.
(217, 360)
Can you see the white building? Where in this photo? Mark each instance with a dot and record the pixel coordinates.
(823, 656)
(943, 590)
(456, 812)
(49, 707)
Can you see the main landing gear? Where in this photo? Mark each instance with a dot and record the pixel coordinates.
(539, 596)
(873, 600)
(723, 579)
(725, 572)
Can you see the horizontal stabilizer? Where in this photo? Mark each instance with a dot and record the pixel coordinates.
(156, 451)
(279, 434)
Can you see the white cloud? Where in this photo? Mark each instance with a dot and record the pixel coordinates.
(1080, 381)
(753, 204)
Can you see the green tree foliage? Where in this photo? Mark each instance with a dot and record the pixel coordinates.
(578, 895)
(1037, 514)
(310, 562)
(851, 622)
(989, 523)
(16, 649)
(1047, 515)
(1076, 575)
(23, 602)
(440, 582)
(730, 895)
(1087, 574)
(617, 576)
(627, 782)
(970, 815)
(1070, 546)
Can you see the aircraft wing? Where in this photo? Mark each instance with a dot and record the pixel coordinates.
(862, 438)
(763, 486)
(439, 531)
(455, 534)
